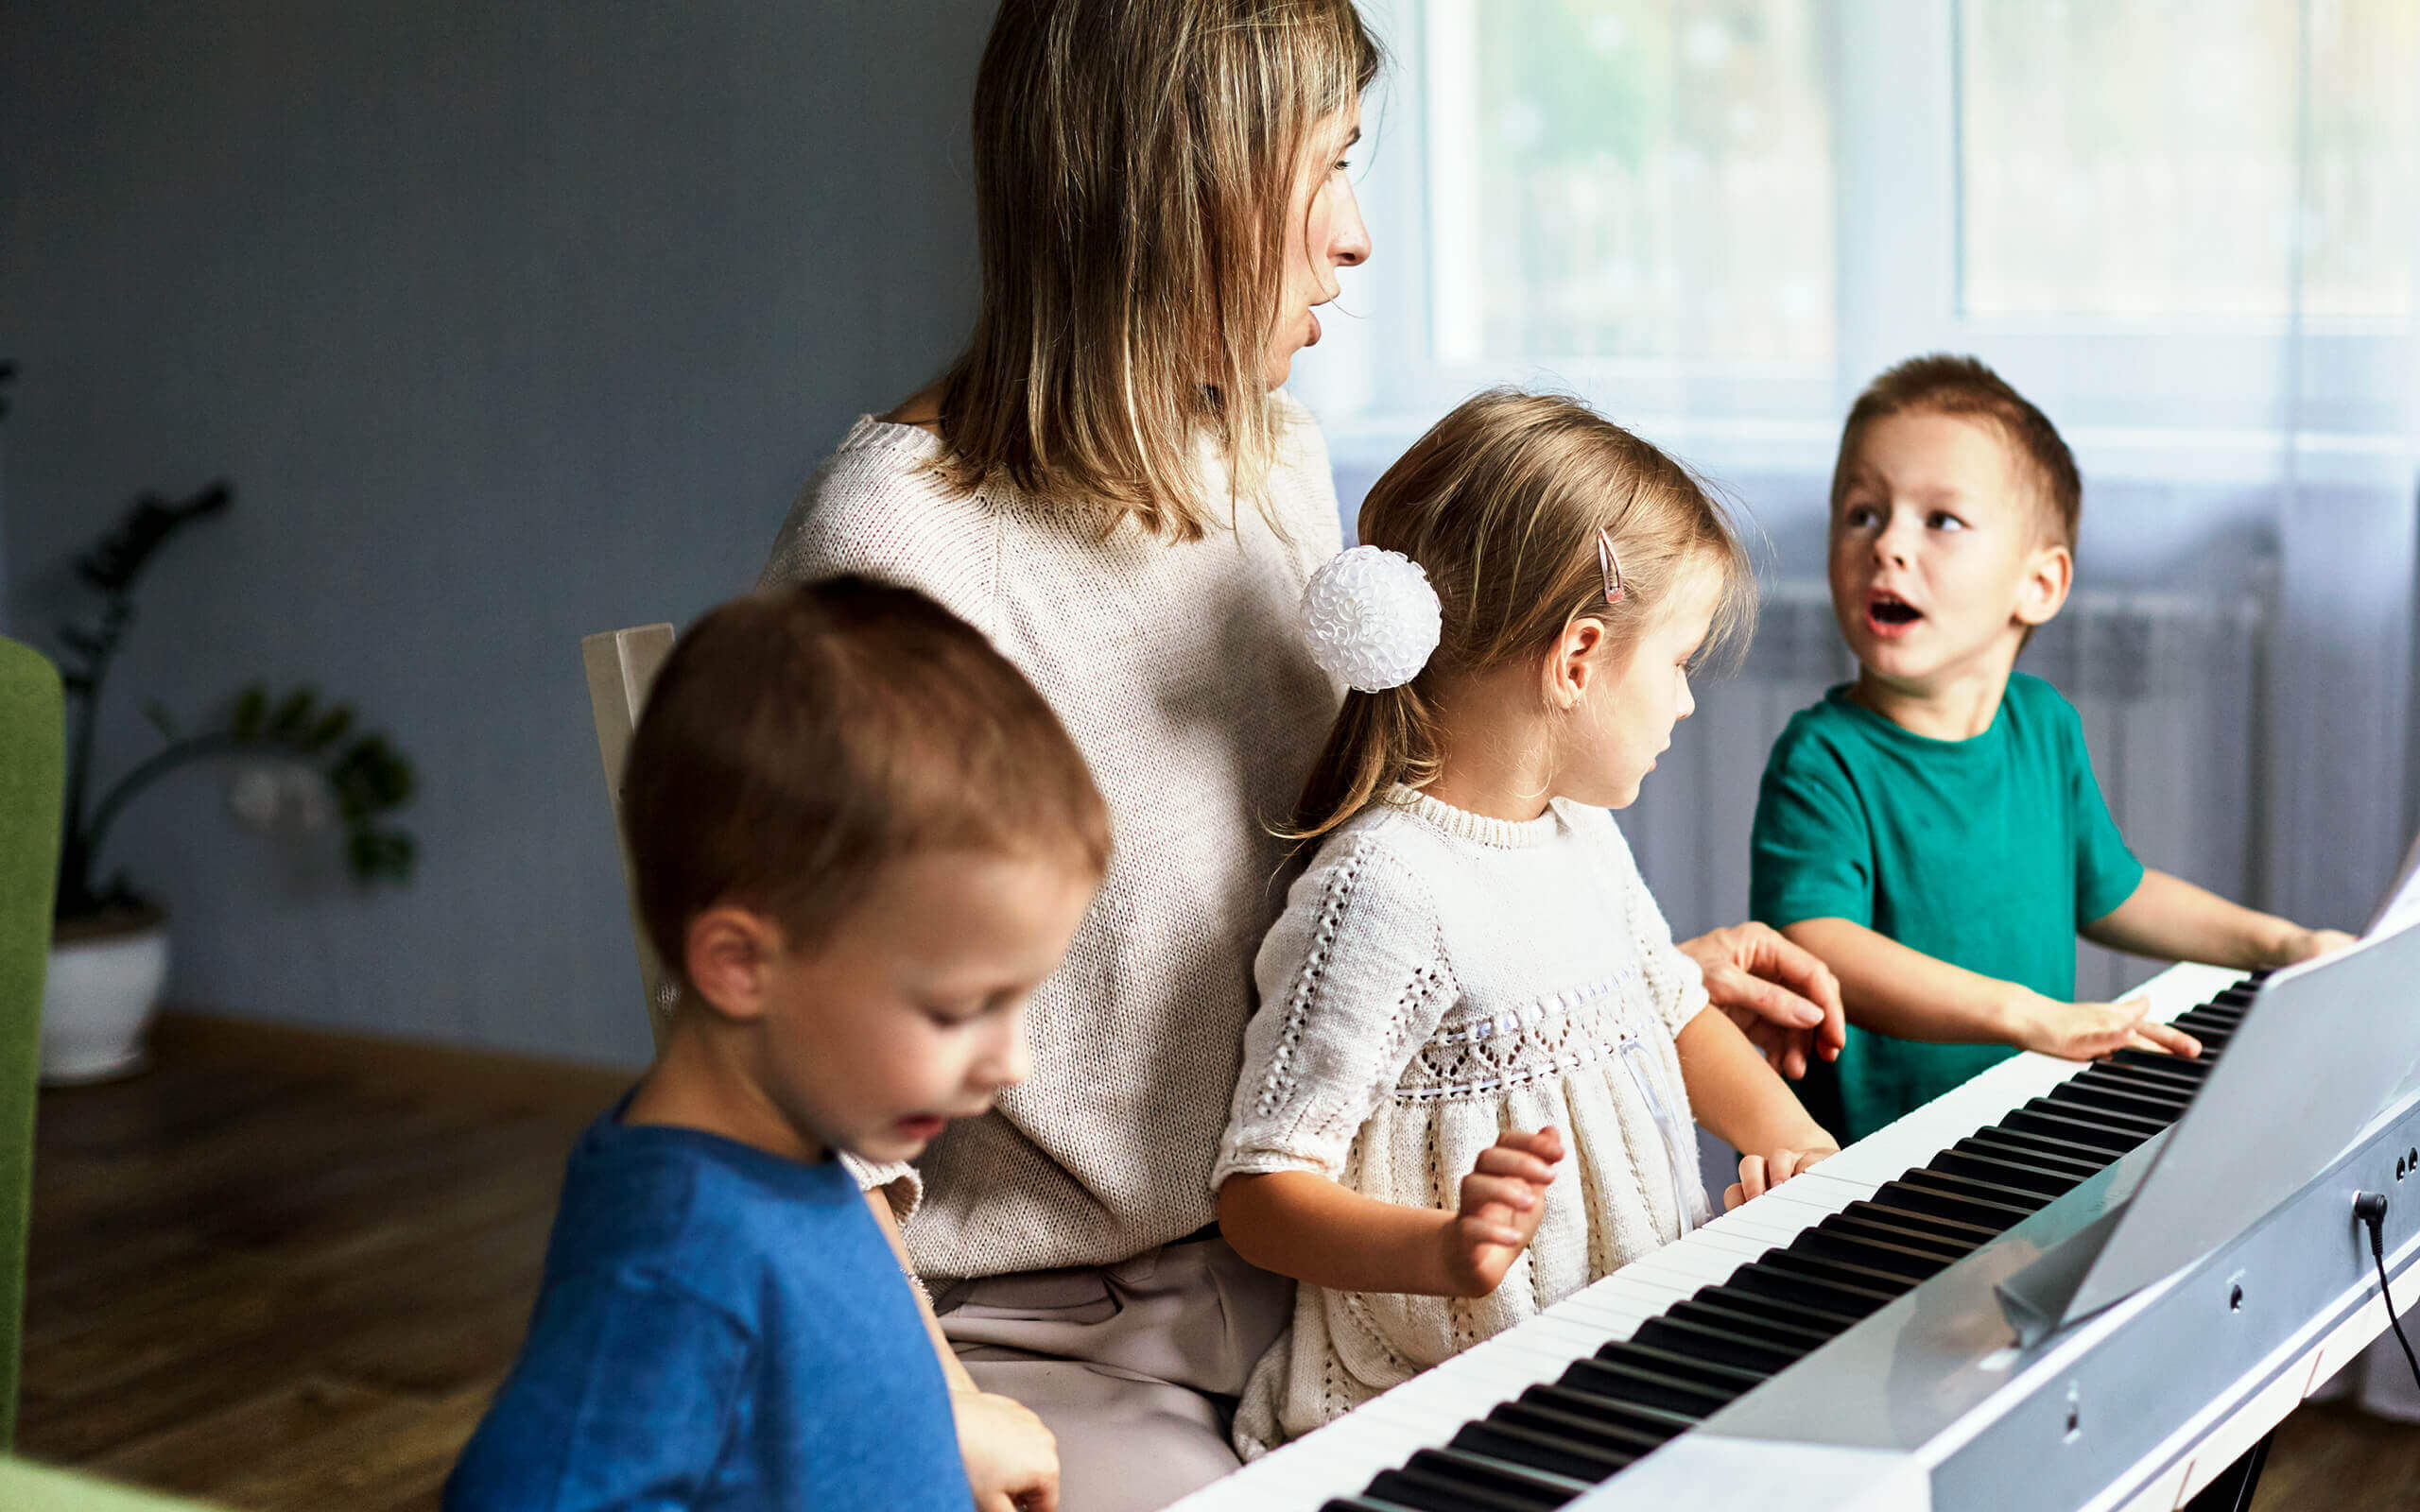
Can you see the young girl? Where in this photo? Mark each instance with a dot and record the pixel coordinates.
(1468, 1088)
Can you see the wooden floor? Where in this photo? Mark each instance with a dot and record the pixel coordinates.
(284, 1270)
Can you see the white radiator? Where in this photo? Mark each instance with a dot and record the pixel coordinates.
(2166, 683)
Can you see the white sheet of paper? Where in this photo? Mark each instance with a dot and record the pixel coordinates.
(2402, 904)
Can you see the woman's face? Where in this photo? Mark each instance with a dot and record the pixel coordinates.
(1324, 233)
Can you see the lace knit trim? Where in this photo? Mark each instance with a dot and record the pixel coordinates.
(1503, 834)
(1534, 1042)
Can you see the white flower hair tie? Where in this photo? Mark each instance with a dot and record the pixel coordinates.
(1372, 618)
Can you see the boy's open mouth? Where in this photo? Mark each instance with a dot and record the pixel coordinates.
(1887, 611)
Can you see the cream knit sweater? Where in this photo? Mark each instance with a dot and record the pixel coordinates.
(1439, 977)
(1180, 673)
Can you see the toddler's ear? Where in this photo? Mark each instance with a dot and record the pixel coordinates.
(729, 952)
(1574, 663)
(2047, 576)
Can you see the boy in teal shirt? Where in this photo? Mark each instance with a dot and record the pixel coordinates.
(1932, 830)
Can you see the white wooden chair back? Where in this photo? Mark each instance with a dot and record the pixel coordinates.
(621, 666)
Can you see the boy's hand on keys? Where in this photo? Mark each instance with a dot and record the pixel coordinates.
(1761, 1174)
(1503, 1198)
(2086, 1031)
(2306, 943)
(1012, 1459)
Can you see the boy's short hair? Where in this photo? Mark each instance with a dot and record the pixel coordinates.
(799, 740)
(1941, 384)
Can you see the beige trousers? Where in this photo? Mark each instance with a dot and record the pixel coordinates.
(1134, 1366)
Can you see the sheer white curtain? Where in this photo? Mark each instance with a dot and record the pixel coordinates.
(2189, 232)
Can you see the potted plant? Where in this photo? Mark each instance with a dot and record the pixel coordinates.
(109, 944)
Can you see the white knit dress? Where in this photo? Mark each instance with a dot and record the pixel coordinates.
(1439, 977)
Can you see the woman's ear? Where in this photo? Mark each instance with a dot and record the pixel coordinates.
(2048, 578)
(1574, 664)
(729, 953)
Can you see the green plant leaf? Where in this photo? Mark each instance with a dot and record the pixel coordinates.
(330, 728)
(245, 724)
(293, 717)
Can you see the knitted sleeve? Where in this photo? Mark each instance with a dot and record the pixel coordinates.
(1352, 978)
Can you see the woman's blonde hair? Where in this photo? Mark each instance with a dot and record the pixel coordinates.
(1500, 503)
(1134, 167)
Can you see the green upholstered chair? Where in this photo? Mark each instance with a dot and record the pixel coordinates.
(26, 1486)
(32, 771)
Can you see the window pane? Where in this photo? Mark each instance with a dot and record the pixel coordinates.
(1629, 179)
(2138, 158)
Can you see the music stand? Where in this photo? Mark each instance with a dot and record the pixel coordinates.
(2320, 1051)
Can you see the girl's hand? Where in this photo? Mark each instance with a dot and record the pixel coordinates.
(1503, 1198)
(1761, 1174)
(2086, 1031)
(1012, 1459)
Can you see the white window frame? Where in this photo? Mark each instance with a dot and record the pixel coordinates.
(2174, 399)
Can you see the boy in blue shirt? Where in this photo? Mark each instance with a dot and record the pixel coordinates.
(1934, 831)
(861, 838)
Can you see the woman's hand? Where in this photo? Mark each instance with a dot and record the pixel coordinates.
(1761, 1174)
(1012, 1460)
(1783, 998)
(2086, 1031)
(1502, 1200)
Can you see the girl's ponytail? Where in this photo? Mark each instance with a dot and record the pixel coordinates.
(1379, 739)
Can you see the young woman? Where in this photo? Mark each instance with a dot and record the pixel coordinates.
(1111, 485)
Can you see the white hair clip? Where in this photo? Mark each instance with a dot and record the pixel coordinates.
(1372, 618)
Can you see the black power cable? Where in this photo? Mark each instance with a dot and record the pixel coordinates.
(2370, 1207)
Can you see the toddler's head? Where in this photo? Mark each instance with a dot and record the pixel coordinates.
(1572, 561)
(1953, 524)
(861, 838)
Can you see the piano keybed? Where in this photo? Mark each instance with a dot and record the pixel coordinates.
(1566, 1402)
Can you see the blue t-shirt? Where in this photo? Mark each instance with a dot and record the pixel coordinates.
(717, 1327)
(1988, 853)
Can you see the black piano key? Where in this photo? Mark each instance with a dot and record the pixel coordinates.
(2209, 1028)
(2135, 1083)
(1965, 1236)
(2003, 1170)
(1912, 1265)
(1598, 1435)
(2082, 1093)
(2033, 1149)
(1731, 1347)
(2169, 1080)
(2235, 997)
(1787, 1325)
(1955, 1197)
(1903, 1230)
(1763, 1278)
(1796, 1262)
(2195, 1069)
(1640, 1416)
(1556, 1455)
(1542, 1489)
(1426, 1491)
(1712, 1374)
(2060, 1121)
(1623, 1381)
(1362, 1504)
(1979, 1189)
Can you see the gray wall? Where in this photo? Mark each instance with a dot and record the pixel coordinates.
(510, 323)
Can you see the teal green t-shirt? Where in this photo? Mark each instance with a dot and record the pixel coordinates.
(1988, 853)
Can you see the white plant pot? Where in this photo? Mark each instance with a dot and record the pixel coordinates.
(97, 1001)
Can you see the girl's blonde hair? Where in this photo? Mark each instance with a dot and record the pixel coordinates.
(1134, 169)
(1500, 504)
